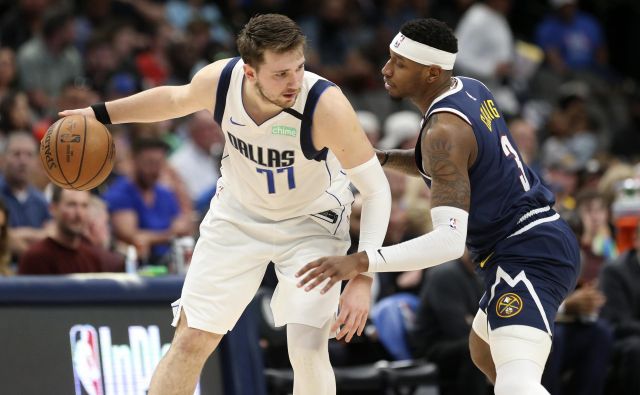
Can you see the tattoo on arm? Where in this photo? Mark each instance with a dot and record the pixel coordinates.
(450, 183)
(403, 161)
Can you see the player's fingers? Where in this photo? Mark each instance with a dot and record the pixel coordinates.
(362, 323)
(309, 266)
(339, 320)
(319, 278)
(332, 281)
(351, 326)
(345, 327)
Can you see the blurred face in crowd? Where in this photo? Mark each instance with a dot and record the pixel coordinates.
(524, 134)
(20, 112)
(279, 77)
(98, 230)
(7, 66)
(594, 215)
(71, 213)
(148, 164)
(19, 159)
(205, 132)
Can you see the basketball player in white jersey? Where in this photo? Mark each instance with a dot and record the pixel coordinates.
(283, 197)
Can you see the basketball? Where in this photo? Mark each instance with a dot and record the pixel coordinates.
(77, 152)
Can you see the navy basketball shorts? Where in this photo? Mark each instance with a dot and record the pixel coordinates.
(529, 275)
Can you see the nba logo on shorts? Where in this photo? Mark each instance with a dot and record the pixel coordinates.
(87, 374)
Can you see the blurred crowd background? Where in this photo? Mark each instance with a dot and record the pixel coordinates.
(565, 74)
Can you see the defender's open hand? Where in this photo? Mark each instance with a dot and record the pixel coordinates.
(334, 268)
(355, 302)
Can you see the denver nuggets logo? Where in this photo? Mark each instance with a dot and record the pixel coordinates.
(398, 41)
(508, 305)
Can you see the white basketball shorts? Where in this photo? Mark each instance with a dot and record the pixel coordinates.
(231, 257)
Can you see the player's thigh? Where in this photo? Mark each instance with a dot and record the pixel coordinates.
(226, 269)
(315, 237)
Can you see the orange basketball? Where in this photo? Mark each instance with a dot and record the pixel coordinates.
(77, 152)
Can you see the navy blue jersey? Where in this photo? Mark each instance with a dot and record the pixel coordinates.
(507, 198)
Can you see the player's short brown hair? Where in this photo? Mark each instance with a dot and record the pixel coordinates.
(273, 32)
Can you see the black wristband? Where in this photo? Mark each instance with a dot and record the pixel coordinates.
(100, 111)
(385, 159)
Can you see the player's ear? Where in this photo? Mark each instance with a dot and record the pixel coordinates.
(433, 72)
(250, 72)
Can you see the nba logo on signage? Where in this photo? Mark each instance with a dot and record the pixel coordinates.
(103, 368)
(86, 360)
(398, 41)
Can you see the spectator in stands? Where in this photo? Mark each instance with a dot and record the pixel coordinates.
(98, 234)
(525, 135)
(448, 302)
(144, 213)
(49, 61)
(28, 208)
(400, 130)
(8, 71)
(196, 161)
(486, 49)
(582, 342)
(15, 113)
(597, 243)
(66, 250)
(335, 36)
(371, 125)
(21, 21)
(571, 39)
(572, 128)
(5, 253)
(620, 283)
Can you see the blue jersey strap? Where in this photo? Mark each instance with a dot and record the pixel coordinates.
(223, 88)
(306, 141)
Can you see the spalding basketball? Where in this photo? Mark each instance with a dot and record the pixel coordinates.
(77, 152)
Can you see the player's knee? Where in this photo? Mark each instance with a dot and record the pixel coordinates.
(195, 343)
(307, 358)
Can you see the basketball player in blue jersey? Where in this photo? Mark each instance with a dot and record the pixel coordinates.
(482, 195)
(283, 197)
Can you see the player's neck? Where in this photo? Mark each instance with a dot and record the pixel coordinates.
(424, 101)
(258, 108)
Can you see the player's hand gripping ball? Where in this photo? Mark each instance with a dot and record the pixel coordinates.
(77, 152)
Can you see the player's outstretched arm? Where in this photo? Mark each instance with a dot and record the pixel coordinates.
(402, 160)
(336, 126)
(160, 103)
(448, 150)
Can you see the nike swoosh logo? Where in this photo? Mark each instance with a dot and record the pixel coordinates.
(234, 122)
(473, 98)
(380, 252)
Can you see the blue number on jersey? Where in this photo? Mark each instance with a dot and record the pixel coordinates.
(270, 178)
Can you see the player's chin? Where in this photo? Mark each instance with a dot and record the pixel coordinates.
(394, 94)
(287, 103)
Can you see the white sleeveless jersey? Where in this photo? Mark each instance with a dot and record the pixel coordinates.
(273, 169)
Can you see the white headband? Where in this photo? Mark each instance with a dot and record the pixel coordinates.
(422, 53)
